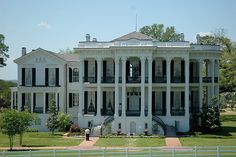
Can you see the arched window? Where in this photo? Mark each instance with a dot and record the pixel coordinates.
(75, 75)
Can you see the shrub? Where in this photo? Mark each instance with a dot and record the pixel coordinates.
(74, 128)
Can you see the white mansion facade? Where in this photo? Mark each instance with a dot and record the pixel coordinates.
(133, 82)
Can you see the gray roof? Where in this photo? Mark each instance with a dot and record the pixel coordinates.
(134, 35)
(68, 56)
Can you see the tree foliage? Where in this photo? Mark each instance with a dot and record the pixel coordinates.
(63, 121)
(3, 51)
(52, 119)
(5, 93)
(159, 32)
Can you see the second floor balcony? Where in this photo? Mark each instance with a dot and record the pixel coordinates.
(178, 79)
(90, 79)
(158, 79)
(108, 79)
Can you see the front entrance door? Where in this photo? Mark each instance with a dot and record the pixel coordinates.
(132, 127)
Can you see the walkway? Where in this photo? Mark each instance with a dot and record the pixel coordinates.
(86, 144)
(171, 138)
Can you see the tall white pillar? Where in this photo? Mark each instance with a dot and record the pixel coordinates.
(81, 88)
(142, 85)
(19, 101)
(44, 102)
(186, 61)
(99, 60)
(31, 102)
(56, 100)
(123, 59)
(217, 84)
(200, 89)
(117, 61)
(12, 98)
(212, 78)
(150, 86)
(168, 85)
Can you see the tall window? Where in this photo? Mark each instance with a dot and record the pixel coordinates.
(27, 101)
(28, 76)
(75, 75)
(52, 76)
(75, 100)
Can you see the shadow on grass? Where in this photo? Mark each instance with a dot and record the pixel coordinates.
(34, 145)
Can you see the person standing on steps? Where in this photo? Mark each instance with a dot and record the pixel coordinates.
(87, 132)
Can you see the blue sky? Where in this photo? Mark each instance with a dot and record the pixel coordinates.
(61, 24)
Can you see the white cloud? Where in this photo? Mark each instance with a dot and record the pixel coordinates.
(44, 24)
(205, 34)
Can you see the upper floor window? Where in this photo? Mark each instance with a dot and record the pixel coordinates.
(73, 99)
(75, 75)
(28, 76)
(52, 76)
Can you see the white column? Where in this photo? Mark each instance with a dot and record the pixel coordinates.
(142, 86)
(12, 98)
(19, 101)
(117, 61)
(212, 78)
(32, 101)
(44, 103)
(81, 88)
(56, 100)
(217, 84)
(168, 61)
(150, 86)
(200, 89)
(123, 85)
(186, 61)
(99, 61)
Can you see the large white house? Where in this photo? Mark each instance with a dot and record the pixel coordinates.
(134, 82)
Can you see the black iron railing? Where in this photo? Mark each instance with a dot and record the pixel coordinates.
(133, 79)
(158, 79)
(178, 79)
(132, 113)
(177, 112)
(159, 112)
(108, 79)
(194, 79)
(206, 79)
(90, 79)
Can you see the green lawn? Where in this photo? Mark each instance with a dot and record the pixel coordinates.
(131, 142)
(40, 139)
(226, 136)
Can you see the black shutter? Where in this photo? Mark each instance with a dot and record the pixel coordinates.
(104, 69)
(33, 76)
(46, 102)
(191, 99)
(140, 104)
(70, 74)
(191, 70)
(139, 67)
(127, 103)
(172, 71)
(22, 101)
(85, 101)
(57, 76)
(113, 106)
(58, 101)
(127, 70)
(46, 76)
(114, 68)
(153, 102)
(86, 70)
(34, 101)
(182, 69)
(171, 100)
(23, 76)
(96, 70)
(164, 68)
(153, 70)
(164, 102)
(70, 100)
(104, 102)
(182, 99)
(96, 102)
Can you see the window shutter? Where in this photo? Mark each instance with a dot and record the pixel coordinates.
(127, 70)
(34, 101)
(70, 100)
(153, 102)
(153, 69)
(128, 103)
(172, 99)
(70, 74)
(96, 102)
(58, 101)
(96, 71)
(86, 70)
(46, 76)
(57, 77)
(164, 101)
(104, 69)
(182, 68)
(46, 102)
(104, 102)
(172, 70)
(164, 68)
(23, 101)
(139, 64)
(85, 101)
(33, 76)
(182, 99)
(23, 76)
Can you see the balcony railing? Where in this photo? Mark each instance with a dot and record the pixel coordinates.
(177, 112)
(107, 112)
(109, 79)
(216, 79)
(158, 79)
(178, 79)
(132, 113)
(159, 112)
(38, 110)
(133, 79)
(194, 79)
(206, 79)
(90, 79)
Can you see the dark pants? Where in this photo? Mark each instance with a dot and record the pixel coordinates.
(87, 137)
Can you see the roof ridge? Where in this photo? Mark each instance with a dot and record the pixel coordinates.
(134, 35)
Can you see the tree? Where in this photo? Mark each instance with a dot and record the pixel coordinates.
(52, 119)
(3, 51)
(63, 121)
(5, 93)
(25, 120)
(157, 31)
(9, 124)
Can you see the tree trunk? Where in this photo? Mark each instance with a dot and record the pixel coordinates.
(21, 136)
(11, 141)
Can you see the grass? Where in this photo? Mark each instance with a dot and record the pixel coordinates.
(131, 142)
(226, 136)
(40, 139)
